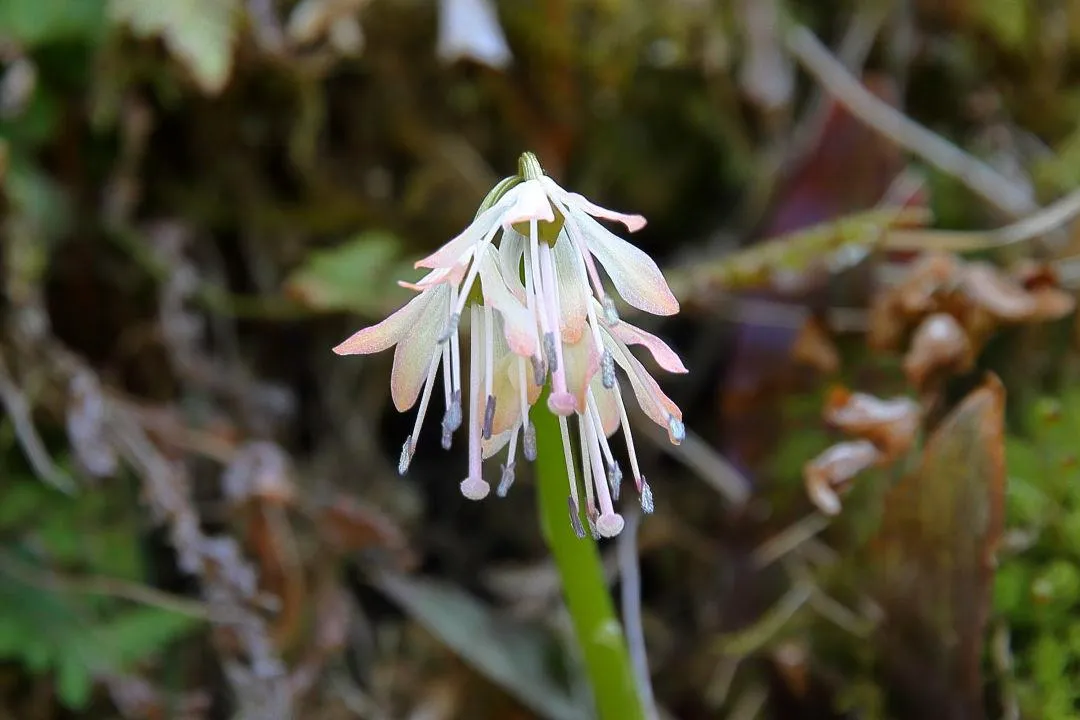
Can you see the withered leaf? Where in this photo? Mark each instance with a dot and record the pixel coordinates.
(932, 561)
(814, 348)
(834, 469)
(938, 346)
(889, 424)
(348, 525)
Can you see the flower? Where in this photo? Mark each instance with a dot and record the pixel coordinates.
(527, 269)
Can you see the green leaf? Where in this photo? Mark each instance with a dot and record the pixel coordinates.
(201, 34)
(37, 22)
(358, 276)
(510, 654)
(137, 634)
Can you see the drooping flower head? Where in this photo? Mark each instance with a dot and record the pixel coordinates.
(528, 272)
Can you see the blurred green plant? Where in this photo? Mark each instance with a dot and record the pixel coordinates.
(1037, 585)
(67, 559)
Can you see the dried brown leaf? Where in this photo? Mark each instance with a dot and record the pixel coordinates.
(813, 347)
(833, 470)
(347, 525)
(939, 346)
(933, 556)
(889, 424)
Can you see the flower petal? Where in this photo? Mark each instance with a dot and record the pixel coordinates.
(664, 356)
(454, 252)
(417, 348)
(518, 324)
(574, 290)
(582, 363)
(528, 201)
(633, 223)
(650, 397)
(470, 29)
(387, 333)
(634, 274)
(511, 250)
(606, 405)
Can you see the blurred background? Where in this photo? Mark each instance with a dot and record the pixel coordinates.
(200, 514)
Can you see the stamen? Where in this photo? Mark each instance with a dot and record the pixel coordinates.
(575, 518)
(609, 523)
(453, 417)
(615, 480)
(647, 505)
(421, 413)
(529, 441)
(564, 431)
(538, 370)
(527, 430)
(406, 456)
(676, 430)
(625, 422)
(550, 354)
(534, 283)
(489, 417)
(607, 369)
(451, 327)
(586, 471)
(489, 351)
(474, 487)
(506, 480)
(447, 438)
(611, 314)
(446, 374)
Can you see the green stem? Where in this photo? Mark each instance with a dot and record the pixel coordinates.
(586, 593)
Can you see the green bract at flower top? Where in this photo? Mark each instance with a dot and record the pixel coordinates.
(526, 271)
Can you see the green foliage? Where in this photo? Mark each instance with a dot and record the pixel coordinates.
(38, 22)
(44, 624)
(201, 34)
(1037, 588)
(358, 276)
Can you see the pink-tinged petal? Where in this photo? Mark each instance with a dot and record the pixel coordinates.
(511, 251)
(387, 333)
(504, 385)
(632, 222)
(453, 275)
(664, 356)
(453, 252)
(519, 326)
(417, 348)
(574, 292)
(528, 201)
(582, 363)
(652, 400)
(496, 442)
(606, 405)
(634, 274)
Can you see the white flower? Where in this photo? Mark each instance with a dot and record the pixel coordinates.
(470, 29)
(542, 314)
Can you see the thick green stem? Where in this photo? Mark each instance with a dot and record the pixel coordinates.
(587, 597)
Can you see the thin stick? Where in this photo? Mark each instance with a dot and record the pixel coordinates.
(18, 409)
(630, 593)
(978, 176)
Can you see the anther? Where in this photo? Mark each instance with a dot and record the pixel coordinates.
(647, 505)
(607, 369)
(676, 430)
(614, 475)
(506, 480)
(610, 313)
(489, 417)
(529, 441)
(549, 353)
(538, 370)
(575, 518)
(406, 456)
(451, 327)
